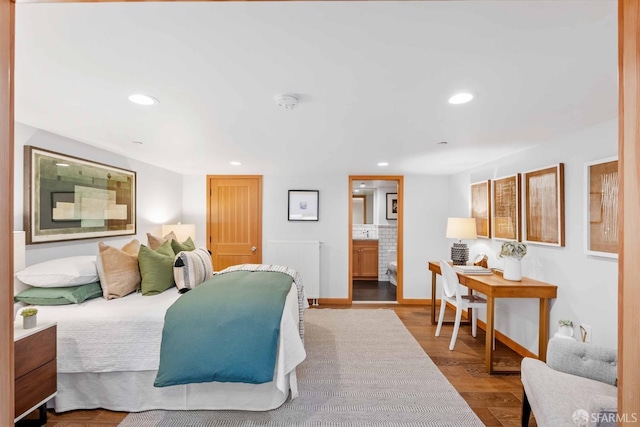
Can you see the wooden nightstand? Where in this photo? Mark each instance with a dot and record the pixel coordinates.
(35, 368)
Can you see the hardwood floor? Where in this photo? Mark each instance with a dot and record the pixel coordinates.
(496, 399)
(373, 290)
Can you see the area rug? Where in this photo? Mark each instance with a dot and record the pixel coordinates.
(363, 367)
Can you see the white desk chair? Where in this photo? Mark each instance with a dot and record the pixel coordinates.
(451, 294)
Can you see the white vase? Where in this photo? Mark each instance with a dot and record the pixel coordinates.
(29, 322)
(512, 269)
(567, 331)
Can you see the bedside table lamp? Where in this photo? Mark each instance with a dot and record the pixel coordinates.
(461, 228)
(182, 231)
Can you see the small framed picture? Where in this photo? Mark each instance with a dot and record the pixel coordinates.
(303, 205)
(481, 207)
(505, 213)
(392, 205)
(544, 206)
(601, 207)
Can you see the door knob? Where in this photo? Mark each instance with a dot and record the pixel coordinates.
(253, 249)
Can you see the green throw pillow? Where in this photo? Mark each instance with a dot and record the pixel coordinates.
(178, 247)
(60, 296)
(156, 269)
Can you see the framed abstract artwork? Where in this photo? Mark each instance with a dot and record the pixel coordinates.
(481, 207)
(544, 206)
(303, 205)
(506, 219)
(68, 198)
(601, 207)
(392, 205)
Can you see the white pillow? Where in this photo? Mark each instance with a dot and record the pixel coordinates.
(57, 273)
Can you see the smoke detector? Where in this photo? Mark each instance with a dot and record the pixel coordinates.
(286, 101)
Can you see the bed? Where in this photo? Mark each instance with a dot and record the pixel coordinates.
(109, 354)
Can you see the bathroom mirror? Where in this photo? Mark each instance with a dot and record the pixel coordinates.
(369, 201)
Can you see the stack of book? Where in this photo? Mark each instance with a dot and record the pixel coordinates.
(471, 269)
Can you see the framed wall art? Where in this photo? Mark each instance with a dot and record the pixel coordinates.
(601, 207)
(303, 205)
(506, 218)
(481, 207)
(392, 205)
(68, 198)
(544, 206)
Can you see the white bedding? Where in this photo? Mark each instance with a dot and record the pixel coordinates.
(102, 335)
(105, 346)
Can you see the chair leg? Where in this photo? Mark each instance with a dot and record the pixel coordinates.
(456, 326)
(474, 322)
(526, 410)
(443, 306)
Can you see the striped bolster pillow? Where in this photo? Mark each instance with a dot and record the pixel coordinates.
(190, 268)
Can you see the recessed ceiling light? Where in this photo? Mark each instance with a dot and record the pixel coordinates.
(460, 98)
(383, 164)
(362, 185)
(64, 165)
(356, 191)
(142, 99)
(235, 163)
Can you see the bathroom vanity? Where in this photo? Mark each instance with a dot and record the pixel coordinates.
(365, 259)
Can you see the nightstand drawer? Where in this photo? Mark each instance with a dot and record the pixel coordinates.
(35, 386)
(34, 351)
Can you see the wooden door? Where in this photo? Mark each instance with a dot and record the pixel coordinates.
(234, 220)
(629, 211)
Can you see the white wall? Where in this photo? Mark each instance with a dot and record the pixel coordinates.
(159, 193)
(426, 203)
(587, 285)
(194, 206)
(332, 227)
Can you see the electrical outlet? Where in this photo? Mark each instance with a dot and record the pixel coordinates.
(585, 332)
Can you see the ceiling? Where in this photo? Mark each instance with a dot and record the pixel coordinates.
(373, 79)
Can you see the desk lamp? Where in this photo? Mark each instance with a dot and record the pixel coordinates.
(461, 228)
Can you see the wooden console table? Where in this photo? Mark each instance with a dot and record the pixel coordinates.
(494, 286)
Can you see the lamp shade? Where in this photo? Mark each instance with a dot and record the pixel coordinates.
(461, 228)
(182, 231)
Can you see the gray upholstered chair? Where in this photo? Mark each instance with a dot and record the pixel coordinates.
(577, 385)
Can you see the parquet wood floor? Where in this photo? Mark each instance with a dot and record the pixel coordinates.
(496, 399)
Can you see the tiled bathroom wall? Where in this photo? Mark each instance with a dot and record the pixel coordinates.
(364, 231)
(387, 239)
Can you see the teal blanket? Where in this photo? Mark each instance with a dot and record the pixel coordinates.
(224, 330)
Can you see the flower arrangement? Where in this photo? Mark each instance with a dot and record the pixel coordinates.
(568, 323)
(513, 249)
(28, 312)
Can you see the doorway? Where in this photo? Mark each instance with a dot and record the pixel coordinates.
(375, 238)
